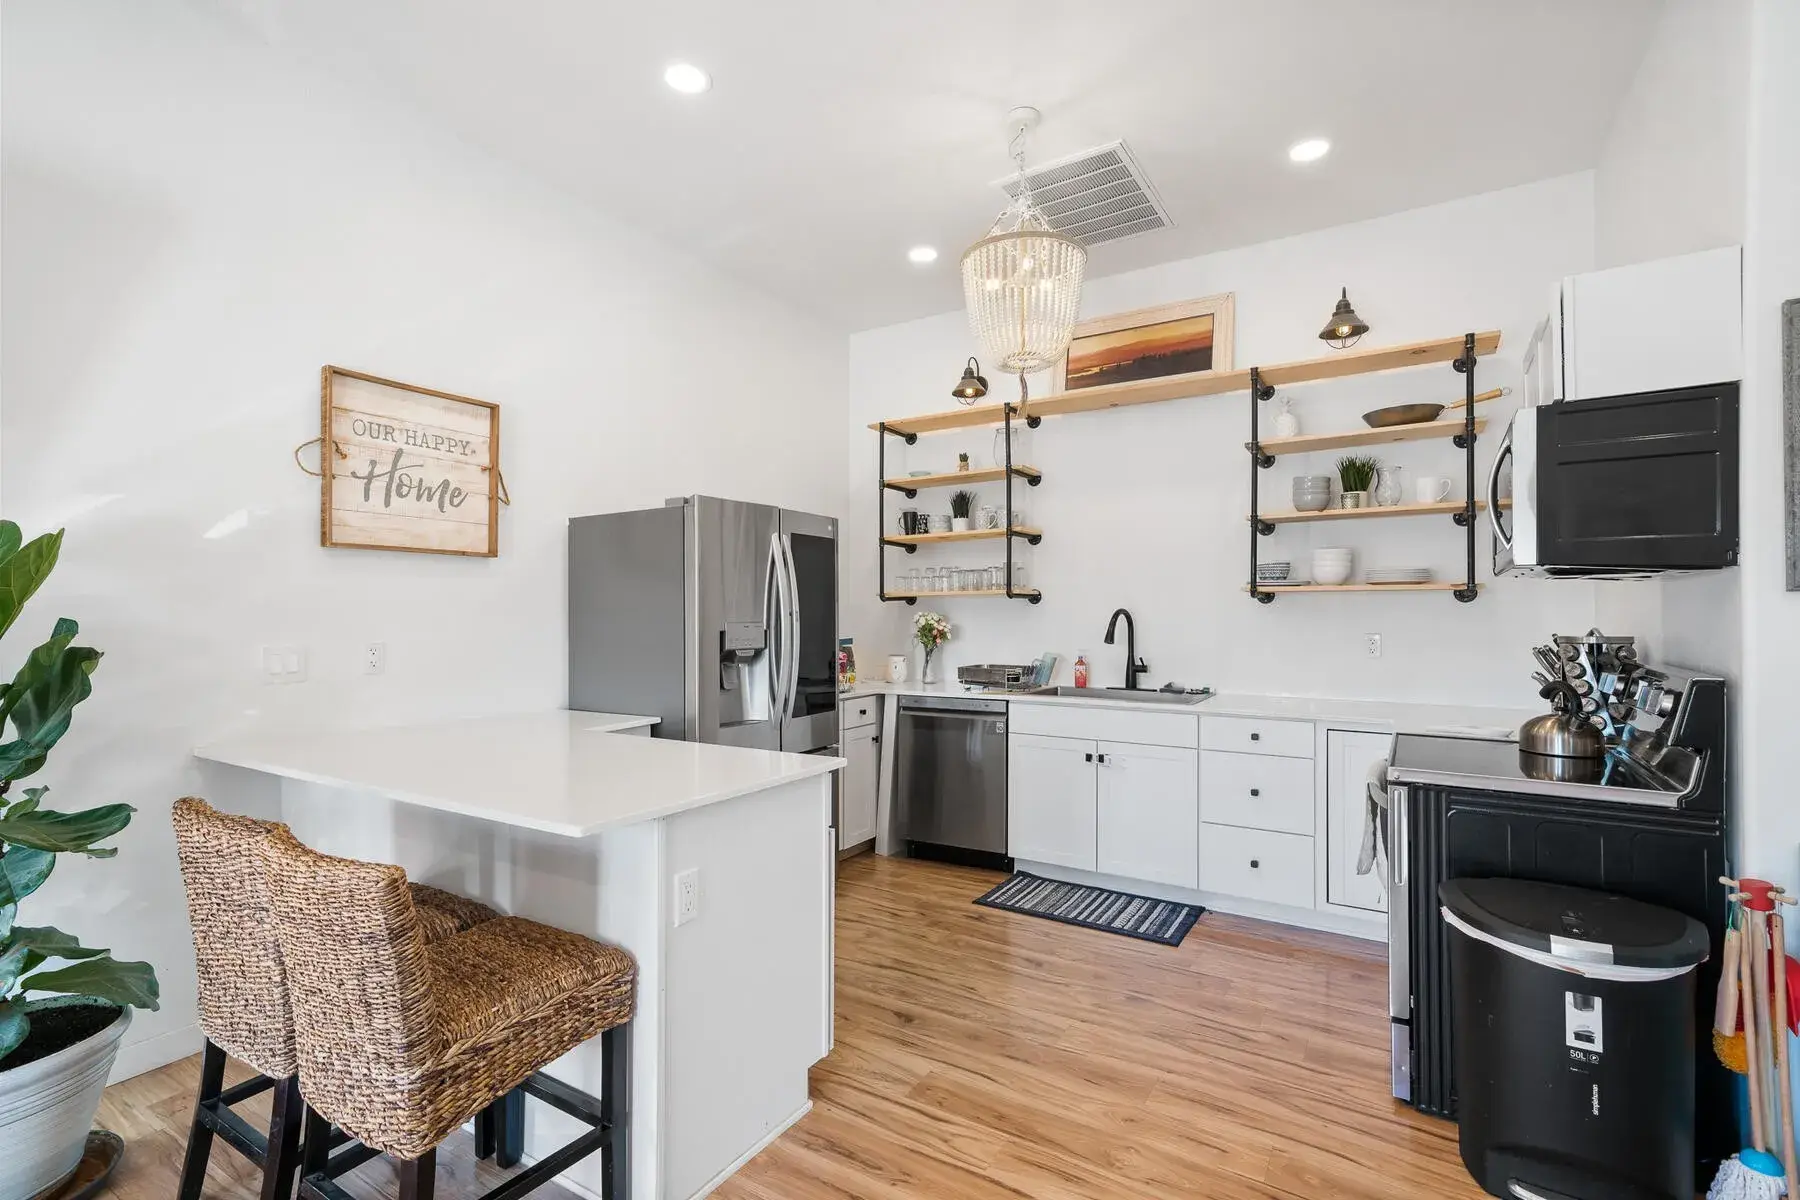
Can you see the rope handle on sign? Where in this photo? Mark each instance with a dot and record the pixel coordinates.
(319, 442)
(499, 476)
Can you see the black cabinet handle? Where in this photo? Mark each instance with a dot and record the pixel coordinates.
(1090, 758)
(1256, 791)
(1256, 862)
(875, 741)
(1256, 737)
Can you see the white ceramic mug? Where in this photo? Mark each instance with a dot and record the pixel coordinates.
(896, 668)
(1432, 489)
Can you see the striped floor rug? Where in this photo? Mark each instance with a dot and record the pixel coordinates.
(1162, 921)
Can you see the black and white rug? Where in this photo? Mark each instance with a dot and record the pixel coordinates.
(1143, 917)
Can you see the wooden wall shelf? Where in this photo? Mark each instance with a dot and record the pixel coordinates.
(1202, 383)
(1435, 586)
(1442, 508)
(967, 535)
(1017, 594)
(1306, 443)
(913, 483)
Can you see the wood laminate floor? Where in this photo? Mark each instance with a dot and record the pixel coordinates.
(984, 1054)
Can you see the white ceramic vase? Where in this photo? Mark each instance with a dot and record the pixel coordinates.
(47, 1108)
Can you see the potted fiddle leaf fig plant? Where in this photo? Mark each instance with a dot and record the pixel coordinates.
(63, 1005)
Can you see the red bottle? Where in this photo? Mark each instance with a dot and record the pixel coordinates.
(1081, 670)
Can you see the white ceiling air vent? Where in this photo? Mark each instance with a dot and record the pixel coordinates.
(1098, 195)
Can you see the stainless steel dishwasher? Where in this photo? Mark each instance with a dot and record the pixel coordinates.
(951, 779)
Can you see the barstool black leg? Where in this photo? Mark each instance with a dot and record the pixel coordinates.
(484, 1132)
(287, 1111)
(509, 1128)
(418, 1176)
(615, 1112)
(315, 1143)
(200, 1134)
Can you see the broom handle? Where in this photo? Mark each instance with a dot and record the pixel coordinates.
(1765, 1039)
(1778, 941)
(1725, 1012)
(1752, 1062)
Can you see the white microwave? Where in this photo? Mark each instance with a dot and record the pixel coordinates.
(1649, 327)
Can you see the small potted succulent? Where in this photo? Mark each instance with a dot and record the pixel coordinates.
(63, 1006)
(962, 504)
(1355, 473)
(930, 630)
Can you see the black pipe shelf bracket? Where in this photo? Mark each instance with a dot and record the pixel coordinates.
(1008, 473)
(1464, 518)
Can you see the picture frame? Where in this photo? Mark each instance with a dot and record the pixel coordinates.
(1151, 343)
(1790, 407)
(407, 468)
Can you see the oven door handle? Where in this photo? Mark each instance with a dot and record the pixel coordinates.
(1400, 851)
(1493, 488)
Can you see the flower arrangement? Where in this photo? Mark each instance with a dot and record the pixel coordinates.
(930, 630)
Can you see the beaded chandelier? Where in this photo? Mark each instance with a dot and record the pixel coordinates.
(1022, 282)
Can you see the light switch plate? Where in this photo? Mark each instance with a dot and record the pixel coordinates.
(284, 664)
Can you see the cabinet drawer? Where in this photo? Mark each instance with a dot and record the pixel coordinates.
(1257, 865)
(1257, 791)
(854, 714)
(1105, 724)
(1253, 735)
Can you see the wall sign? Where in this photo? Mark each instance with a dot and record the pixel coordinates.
(407, 468)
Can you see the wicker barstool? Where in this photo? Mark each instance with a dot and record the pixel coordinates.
(243, 992)
(401, 1041)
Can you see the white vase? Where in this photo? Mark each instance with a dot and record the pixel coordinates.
(47, 1108)
(959, 524)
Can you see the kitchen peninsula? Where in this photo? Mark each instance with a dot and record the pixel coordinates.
(582, 821)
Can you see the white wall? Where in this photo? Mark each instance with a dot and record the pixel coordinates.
(1768, 817)
(194, 225)
(1670, 179)
(1146, 508)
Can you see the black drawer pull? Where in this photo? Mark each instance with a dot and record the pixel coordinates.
(875, 741)
(1090, 758)
(1256, 737)
(1256, 863)
(1256, 791)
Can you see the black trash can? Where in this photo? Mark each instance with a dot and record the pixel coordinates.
(1574, 1040)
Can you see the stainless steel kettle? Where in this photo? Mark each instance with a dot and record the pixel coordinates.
(1561, 735)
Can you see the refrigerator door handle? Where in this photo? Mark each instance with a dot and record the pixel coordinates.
(776, 624)
(1400, 849)
(790, 638)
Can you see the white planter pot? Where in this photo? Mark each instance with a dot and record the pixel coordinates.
(959, 524)
(47, 1108)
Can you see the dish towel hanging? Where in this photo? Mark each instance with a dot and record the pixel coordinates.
(1374, 852)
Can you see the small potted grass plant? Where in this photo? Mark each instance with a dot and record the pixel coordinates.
(962, 504)
(1355, 473)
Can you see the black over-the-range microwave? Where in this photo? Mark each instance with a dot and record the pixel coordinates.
(1620, 486)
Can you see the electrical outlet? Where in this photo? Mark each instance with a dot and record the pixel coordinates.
(687, 895)
(1372, 644)
(374, 658)
(284, 664)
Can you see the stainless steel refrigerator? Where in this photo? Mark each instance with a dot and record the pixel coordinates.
(717, 616)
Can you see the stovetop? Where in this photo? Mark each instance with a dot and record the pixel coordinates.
(1495, 766)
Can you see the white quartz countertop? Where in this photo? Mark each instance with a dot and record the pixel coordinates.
(1400, 716)
(561, 772)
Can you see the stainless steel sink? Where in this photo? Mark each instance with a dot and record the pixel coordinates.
(1135, 695)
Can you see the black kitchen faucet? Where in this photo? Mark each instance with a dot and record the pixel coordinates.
(1134, 666)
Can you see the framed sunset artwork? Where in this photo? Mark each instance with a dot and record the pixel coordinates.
(1150, 343)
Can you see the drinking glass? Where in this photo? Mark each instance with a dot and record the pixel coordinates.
(934, 579)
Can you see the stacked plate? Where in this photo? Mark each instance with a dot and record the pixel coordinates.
(1398, 575)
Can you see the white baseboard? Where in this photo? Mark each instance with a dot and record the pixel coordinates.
(712, 1184)
(1371, 928)
(137, 1057)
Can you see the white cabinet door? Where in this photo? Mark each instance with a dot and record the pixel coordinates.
(1050, 799)
(1149, 809)
(1607, 351)
(1349, 757)
(862, 775)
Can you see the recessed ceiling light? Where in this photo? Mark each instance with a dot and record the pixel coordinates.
(687, 79)
(1311, 150)
(922, 254)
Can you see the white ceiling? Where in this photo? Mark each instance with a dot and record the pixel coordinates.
(838, 133)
